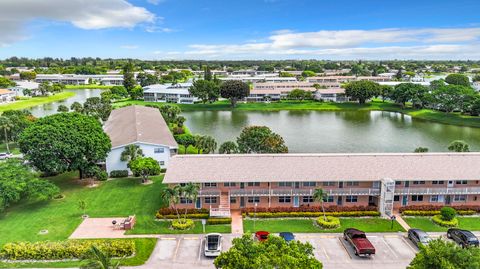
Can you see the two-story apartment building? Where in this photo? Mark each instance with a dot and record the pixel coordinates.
(387, 180)
(169, 93)
(141, 126)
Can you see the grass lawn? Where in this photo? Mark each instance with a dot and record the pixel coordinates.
(89, 86)
(13, 148)
(147, 225)
(424, 114)
(307, 226)
(425, 223)
(35, 101)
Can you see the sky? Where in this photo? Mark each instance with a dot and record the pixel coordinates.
(241, 29)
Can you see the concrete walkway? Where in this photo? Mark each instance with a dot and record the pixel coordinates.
(402, 222)
(237, 222)
(93, 228)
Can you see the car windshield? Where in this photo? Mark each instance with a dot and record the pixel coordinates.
(425, 239)
(472, 239)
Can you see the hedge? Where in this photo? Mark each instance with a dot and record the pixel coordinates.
(434, 212)
(437, 219)
(118, 173)
(332, 208)
(312, 214)
(182, 224)
(438, 207)
(214, 221)
(171, 211)
(190, 216)
(60, 250)
(330, 223)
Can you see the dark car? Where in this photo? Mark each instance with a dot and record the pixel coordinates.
(359, 241)
(418, 237)
(463, 237)
(287, 236)
(261, 235)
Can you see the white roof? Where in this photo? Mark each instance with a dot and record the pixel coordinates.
(322, 167)
(27, 85)
(180, 88)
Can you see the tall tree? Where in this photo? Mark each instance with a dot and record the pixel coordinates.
(144, 167)
(207, 75)
(20, 120)
(234, 90)
(362, 90)
(65, 142)
(319, 195)
(130, 153)
(190, 192)
(98, 259)
(205, 144)
(97, 107)
(185, 140)
(459, 146)
(409, 92)
(205, 90)
(128, 77)
(228, 147)
(260, 139)
(172, 196)
(458, 79)
(6, 125)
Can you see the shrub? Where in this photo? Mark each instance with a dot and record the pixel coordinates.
(171, 211)
(330, 223)
(101, 176)
(190, 216)
(183, 224)
(71, 249)
(475, 208)
(178, 131)
(437, 219)
(448, 213)
(303, 208)
(214, 221)
(313, 214)
(163, 170)
(434, 212)
(119, 173)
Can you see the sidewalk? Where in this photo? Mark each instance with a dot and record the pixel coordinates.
(402, 222)
(237, 222)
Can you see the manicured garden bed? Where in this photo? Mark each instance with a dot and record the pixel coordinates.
(426, 224)
(306, 225)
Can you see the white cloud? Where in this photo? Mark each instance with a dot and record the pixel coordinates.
(158, 29)
(98, 14)
(155, 2)
(427, 43)
(129, 47)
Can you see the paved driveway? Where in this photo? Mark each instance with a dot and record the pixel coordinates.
(393, 251)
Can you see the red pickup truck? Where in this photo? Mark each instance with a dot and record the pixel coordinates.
(359, 242)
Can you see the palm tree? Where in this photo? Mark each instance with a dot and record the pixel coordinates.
(190, 192)
(6, 124)
(172, 195)
(319, 195)
(205, 143)
(130, 153)
(459, 146)
(97, 259)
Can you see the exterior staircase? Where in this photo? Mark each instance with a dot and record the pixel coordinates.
(223, 210)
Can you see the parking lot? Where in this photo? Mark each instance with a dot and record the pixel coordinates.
(393, 251)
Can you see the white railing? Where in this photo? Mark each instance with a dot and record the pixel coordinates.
(219, 212)
(208, 193)
(304, 192)
(435, 191)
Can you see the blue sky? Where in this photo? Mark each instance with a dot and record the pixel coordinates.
(248, 29)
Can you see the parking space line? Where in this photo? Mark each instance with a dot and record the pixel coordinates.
(390, 248)
(409, 245)
(390, 236)
(200, 250)
(176, 249)
(325, 252)
(191, 238)
(168, 238)
(344, 247)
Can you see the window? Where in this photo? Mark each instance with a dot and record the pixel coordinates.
(329, 199)
(460, 198)
(329, 183)
(210, 200)
(307, 199)
(253, 199)
(418, 182)
(417, 198)
(210, 185)
(351, 199)
(284, 184)
(396, 198)
(253, 184)
(309, 184)
(461, 182)
(162, 163)
(398, 183)
(185, 201)
(229, 184)
(434, 198)
(352, 183)
(284, 199)
(438, 182)
(233, 200)
(158, 150)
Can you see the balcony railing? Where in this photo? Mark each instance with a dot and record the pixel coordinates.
(435, 191)
(208, 193)
(304, 192)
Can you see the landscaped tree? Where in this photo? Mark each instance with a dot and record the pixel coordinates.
(308, 73)
(420, 150)
(119, 92)
(260, 139)
(65, 142)
(62, 108)
(409, 92)
(228, 147)
(386, 92)
(246, 253)
(205, 90)
(441, 254)
(459, 146)
(207, 74)
(234, 90)
(77, 107)
(319, 195)
(6, 83)
(17, 182)
(147, 79)
(144, 167)
(299, 94)
(20, 119)
(136, 93)
(362, 90)
(98, 259)
(205, 144)
(170, 112)
(128, 77)
(458, 79)
(190, 192)
(130, 153)
(6, 125)
(453, 97)
(172, 196)
(185, 140)
(98, 108)
(28, 75)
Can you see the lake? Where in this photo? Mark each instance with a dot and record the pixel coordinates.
(325, 131)
(51, 108)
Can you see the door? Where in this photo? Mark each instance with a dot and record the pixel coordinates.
(296, 201)
(450, 183)
(407, 184)
(198, 203)
(404, 200)
(297, 185)
(340, 184)
(242, 185)
(242, 202)
(339, 200)
(448, 199)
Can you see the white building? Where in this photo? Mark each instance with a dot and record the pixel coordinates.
(141, 126)
(168, 93)
(67, 79)
(331, 95)
(23, 85)
(6, 96)
(112, 81)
